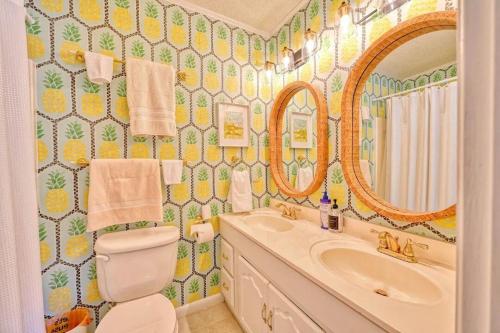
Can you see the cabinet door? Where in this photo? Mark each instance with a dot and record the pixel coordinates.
(286, 317)
(251, 298)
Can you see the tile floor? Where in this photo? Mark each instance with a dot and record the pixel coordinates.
(215, 319)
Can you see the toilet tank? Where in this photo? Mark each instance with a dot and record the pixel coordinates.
(135, 263)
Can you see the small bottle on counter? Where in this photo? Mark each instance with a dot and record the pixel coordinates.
(335, 222)
(324, 210)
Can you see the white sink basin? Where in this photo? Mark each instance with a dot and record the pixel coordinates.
(268, 222)
(376, 273)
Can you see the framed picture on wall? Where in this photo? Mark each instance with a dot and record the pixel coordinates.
(233, 124)
(301, 132)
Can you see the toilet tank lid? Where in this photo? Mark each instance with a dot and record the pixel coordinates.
(137, 239)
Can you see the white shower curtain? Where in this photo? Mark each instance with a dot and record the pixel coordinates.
(21, 300)
(416, 149)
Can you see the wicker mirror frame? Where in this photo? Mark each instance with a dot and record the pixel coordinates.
(276, 139)
(365, 65)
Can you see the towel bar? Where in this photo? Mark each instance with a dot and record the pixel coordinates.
(83, 162)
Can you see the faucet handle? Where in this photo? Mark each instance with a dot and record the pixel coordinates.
(408, 249)
(382, 240)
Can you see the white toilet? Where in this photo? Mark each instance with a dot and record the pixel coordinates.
(132, 268)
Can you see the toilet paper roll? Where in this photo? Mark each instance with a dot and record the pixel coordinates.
(206, 212)
(202, 232)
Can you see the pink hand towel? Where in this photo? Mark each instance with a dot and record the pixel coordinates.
(124, 191)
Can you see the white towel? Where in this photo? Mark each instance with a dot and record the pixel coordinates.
(304, 178)
(99, 67)
(240, 191)
(151, 97)
(172, 171)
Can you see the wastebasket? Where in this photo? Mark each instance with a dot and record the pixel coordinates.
(74, 321)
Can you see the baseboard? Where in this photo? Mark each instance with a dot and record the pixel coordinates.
(200, 305)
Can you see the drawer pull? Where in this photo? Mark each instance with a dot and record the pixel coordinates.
(224, 285)
(270, 320)
(263, 312)
(224, 256)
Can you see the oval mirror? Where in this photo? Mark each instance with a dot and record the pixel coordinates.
(400, 116)
(298, 139)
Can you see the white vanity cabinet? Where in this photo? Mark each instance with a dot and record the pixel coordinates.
(263, 308)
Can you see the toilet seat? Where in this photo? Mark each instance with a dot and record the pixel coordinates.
(150, 314)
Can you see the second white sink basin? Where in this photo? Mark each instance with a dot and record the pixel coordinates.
(268, 222)
(377, 273)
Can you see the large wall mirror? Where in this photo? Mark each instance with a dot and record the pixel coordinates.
(298, 139)
(399, 121)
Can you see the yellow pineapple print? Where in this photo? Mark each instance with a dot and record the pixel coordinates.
(93, 295)
(349, 46)
(360, 206)
(121, 15)
(56, 198)
(167, 149)
(265, 88)
(109, 148)
(306, 71)
(222, 183)
(92, 104)
(139, 148)
(77, 244)
(282, 39)
(251, 152)
(446, 223)
(211, 80)
(107, 45)
(169, 217)
(264, 152)
(45, 252)
(200, 35)
(221, 42)
(191, 151)
(258, 52)
(333, 7)
(74, 148)
(60, 297)
(201, 113)
(232, 79)
(53, 99)
(259, 182)
(213, 150)
(36, 48)
(202, 187)
(204, 258)
(52, 6)
(177, 33)
(419, 7)
(241, 53)
(250, 84)
(326, 56)
(337, 189)
(258, 118)
(379, 26)
(287, 154)
(314, 17)
(293, 175)
(42, 150)
(190, 70)
(152, 27)
(90, 10)
(214, 284)
(171, 294)
(71, 37)
(215, 220)
(121, 107)
(181, 115)
(180, 192)
(192, 215)
(336, 95)
(138, 49)
(193, 291)
(297, 34)
(166, 56)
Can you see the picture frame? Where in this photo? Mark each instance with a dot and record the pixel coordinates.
(233, 125)
(301, 131)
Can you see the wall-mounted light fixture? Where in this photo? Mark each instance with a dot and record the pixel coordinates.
(346, 13)
(291, 59)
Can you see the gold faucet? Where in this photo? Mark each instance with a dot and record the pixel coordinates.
(389, 244)
(289, 212)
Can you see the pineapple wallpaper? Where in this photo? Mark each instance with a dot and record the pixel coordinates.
(328, 71)
(223, 63)
(79, 119)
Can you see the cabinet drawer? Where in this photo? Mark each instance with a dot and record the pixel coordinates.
(227, 287)
(227, 256)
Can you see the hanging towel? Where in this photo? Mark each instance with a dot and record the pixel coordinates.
(124, 191)
(172, 171)
(304, 178)
(99, 67)
(151, 97)
(240, 191)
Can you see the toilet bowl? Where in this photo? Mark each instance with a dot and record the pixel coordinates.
(132, 268)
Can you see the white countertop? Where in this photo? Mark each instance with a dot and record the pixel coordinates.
(294, 247)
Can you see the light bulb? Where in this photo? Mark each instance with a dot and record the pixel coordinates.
(269, 74)
(310, 45)
(286, 61)
(345, 21)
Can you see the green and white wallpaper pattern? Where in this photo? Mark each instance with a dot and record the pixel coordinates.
(76, 118)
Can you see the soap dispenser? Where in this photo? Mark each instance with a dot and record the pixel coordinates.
(324, 208)
(335, 222)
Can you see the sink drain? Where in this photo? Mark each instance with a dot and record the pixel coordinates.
(381, 292)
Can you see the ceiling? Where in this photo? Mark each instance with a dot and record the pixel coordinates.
(264, 17)
(419, 55)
